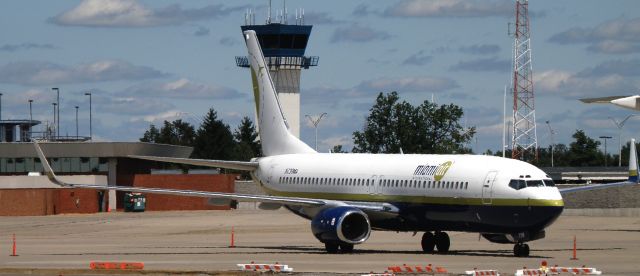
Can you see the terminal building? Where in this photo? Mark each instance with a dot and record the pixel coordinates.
(24, 190)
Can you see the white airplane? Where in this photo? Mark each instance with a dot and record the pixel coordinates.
(346, 196)
(629, 102)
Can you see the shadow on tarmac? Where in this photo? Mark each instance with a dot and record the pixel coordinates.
(216, 250)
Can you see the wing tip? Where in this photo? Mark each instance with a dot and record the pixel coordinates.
(45, 164)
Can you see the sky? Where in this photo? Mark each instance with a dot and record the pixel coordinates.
(149, 61)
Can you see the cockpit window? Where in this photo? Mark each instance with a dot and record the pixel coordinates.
(549, 183)
(517, 184)
(535, 183)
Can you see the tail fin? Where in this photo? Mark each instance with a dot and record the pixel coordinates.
(633, 162)
(273, 129)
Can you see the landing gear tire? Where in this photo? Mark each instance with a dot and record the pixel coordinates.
(428, 242)
(521, 250)
(346, 248)
(442, 242)
(331, 247)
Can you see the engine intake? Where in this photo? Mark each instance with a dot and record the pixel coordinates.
(344, 224)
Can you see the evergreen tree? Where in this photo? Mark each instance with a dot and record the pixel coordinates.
(245, 136)
(151, 135)
(213, 139)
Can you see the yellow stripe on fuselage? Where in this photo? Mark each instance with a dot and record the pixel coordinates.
(421, 199)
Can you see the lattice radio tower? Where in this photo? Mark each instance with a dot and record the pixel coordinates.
(524, 140)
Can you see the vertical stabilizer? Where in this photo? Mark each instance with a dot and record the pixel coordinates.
(633, 162)
(273, 129)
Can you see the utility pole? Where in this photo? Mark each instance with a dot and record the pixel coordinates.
(551, 137)
(315, 121)
(605, 148)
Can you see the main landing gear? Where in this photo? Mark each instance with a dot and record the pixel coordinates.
(521, 250)
(338, 247)
(439, 240)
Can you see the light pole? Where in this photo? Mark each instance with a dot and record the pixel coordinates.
(620, 125)
(605, 148)
(77, 122)
(57, 123)
(30, 118)
(315, 123)
(90, 119)
(1, 106)
(551, 137)
(54, 120)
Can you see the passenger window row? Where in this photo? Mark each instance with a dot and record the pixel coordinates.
(390, 183)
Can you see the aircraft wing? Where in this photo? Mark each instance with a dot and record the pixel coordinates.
(235, 165)
(602, 99)
(597, 187)
(281, 200)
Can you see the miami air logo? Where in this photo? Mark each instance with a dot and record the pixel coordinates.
(437, 172)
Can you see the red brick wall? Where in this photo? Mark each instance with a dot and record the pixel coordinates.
(199, 182)
(37, 202)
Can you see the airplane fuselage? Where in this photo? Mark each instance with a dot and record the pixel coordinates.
(468, 193)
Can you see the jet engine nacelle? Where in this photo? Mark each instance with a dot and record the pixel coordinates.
(341, 224)
(632, 102)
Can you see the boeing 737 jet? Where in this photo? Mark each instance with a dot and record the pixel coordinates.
(346, 196)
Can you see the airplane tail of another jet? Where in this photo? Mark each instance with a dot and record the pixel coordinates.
(633, 162)
(272, 124)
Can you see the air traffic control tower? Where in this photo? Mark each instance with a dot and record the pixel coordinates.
(283, 46)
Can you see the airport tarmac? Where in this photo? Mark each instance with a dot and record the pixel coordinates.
(199, 241)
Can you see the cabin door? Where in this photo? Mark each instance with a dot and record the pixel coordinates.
(373, 185)
(487, 187)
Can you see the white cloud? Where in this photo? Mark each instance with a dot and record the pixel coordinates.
(130, 13)
(409, 84)
(157, 118)
(359, 34)
(182, 88)
(450, 8)
(570, 85)
(45, 73)
(618, 36)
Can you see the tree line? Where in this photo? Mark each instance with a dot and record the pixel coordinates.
(213, 139)
(392, 126)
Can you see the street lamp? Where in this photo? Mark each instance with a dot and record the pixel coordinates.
(30, 118)
(315, 121)
(90, 119)
(1, 106)
(605, 148)
(551, 132)
(57, 123)
(77, 122)
(620, 125)
(54, 120)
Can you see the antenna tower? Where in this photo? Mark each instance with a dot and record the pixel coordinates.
(524, 140)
